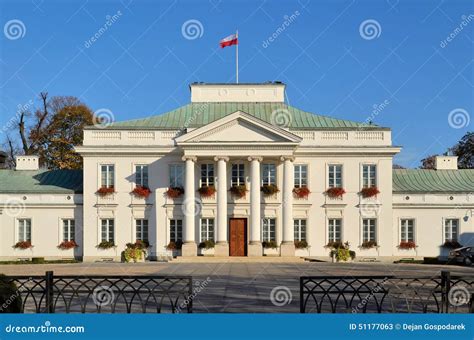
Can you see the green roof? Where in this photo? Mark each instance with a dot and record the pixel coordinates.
(41, 181)
(196, 115)
(421, 180)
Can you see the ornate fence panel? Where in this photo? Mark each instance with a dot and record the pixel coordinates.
(387, 294)
(104, 294)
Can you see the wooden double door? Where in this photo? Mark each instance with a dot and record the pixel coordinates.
(238, 237)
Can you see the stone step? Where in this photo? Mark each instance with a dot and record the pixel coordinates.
(237, 259)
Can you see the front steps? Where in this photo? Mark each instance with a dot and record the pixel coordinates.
(238, 259)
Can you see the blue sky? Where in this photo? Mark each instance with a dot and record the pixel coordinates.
(142, 64)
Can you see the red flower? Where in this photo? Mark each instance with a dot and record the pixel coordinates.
(207, 191)
(174, 192)
(302, 192)
(65, 245)
(407, 245)
(141, 192)
(335, 192)
(104, 191)
(238, 191)
(369, 192)
(23, 245)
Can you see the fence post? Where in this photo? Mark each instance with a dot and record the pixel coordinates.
(445, 287)
(49, 292)
(301, 296)
(471, 305)
(191, 298)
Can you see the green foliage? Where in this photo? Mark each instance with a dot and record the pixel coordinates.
(37, 260)
(269, 189)
(269, 244)
(342, 252)
(106, 245)
(208, 244)
(10, 299)
(133, 254)
(301, 244)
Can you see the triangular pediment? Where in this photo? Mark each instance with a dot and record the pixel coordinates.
(239, 127)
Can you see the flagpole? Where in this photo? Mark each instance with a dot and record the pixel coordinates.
(237, 58)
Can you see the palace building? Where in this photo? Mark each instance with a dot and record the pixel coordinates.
(236, 172)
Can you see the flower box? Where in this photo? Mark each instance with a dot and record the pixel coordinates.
(269, 189)
(174, 245)
(141, 192)
(369, 192)
(334, 244)
(302, 192)
(208, 244)
(335, 192)
(23, 245)
(104, 191)
(106, 245)
(368, 244)
(238, 191)
(301, 244)
(174, 192)
(65, 245)
(207, 191)
(452, 244)
(269, 244)
(407, 245)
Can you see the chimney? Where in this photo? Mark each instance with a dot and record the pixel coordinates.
(27, 162)
(446, 163)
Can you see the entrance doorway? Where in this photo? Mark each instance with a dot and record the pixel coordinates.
(238, 237)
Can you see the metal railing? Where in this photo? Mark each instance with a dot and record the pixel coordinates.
(104, 294)
(387, 294)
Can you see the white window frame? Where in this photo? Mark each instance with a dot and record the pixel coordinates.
(68, 226)
(364, 239)
(268, 229)
(206, 178)
(371, 180)
(300, 180)
(142, 225)
(176, 175)
(109, 175)
(299, 234)
(22, 236)
(240, 178)
(207, 229)
(174, 225)
(332, 172)
(269, 174)
(404, 229)
(451, 219)
(142, 171)
(332, 229)
(108, 227)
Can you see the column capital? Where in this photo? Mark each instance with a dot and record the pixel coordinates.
(287, 158)
(221, 158)
(255, 158)
(189, 158)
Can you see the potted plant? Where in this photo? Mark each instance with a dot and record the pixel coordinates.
(23, 245)
(174, 192)
(105, 191)
(135, 252)
(269, 189)
(335, 192)
(368, 244)
(369, 192)
(106, 245)
(208, 244)
(342, 253)
(238, 191)
(452, 244)
(269, 244)
(65, 245)
(174, 245)
(301, 244)
(407, 245)
(301, 192)
(207, 190)
(141, 192)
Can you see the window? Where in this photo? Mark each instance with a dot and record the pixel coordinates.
(451, 229)
(107, 176)
(207, 229)
(24, 230)
(335, 176)
(268, 174)
(301, 175)
(141, 175)
(407, 230)
(107, 230)
(268, 229)
(238, 174)
(69, 230)
(368, 232)
(334, 230)
(176, 230)
(141, 228)
(176, 175)
(300, 230)
(207, 174)
(369, 176)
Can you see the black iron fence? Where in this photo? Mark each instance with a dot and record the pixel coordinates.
(387, 294)
(103, 294)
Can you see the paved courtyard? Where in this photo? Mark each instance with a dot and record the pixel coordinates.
(240, 287)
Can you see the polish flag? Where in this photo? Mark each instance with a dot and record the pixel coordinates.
(229, 41)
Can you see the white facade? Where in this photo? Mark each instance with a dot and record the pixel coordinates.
(267, 153)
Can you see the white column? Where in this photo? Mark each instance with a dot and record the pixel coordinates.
(287, 247)
(222, 246)
(255, 245)
(189, 247)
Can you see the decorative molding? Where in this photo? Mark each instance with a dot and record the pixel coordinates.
(141, 135)
(334, 135)
(189, 158)
(255, 158)
(289, 158)
(218, 158)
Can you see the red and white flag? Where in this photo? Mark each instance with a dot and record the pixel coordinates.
(229, 41)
